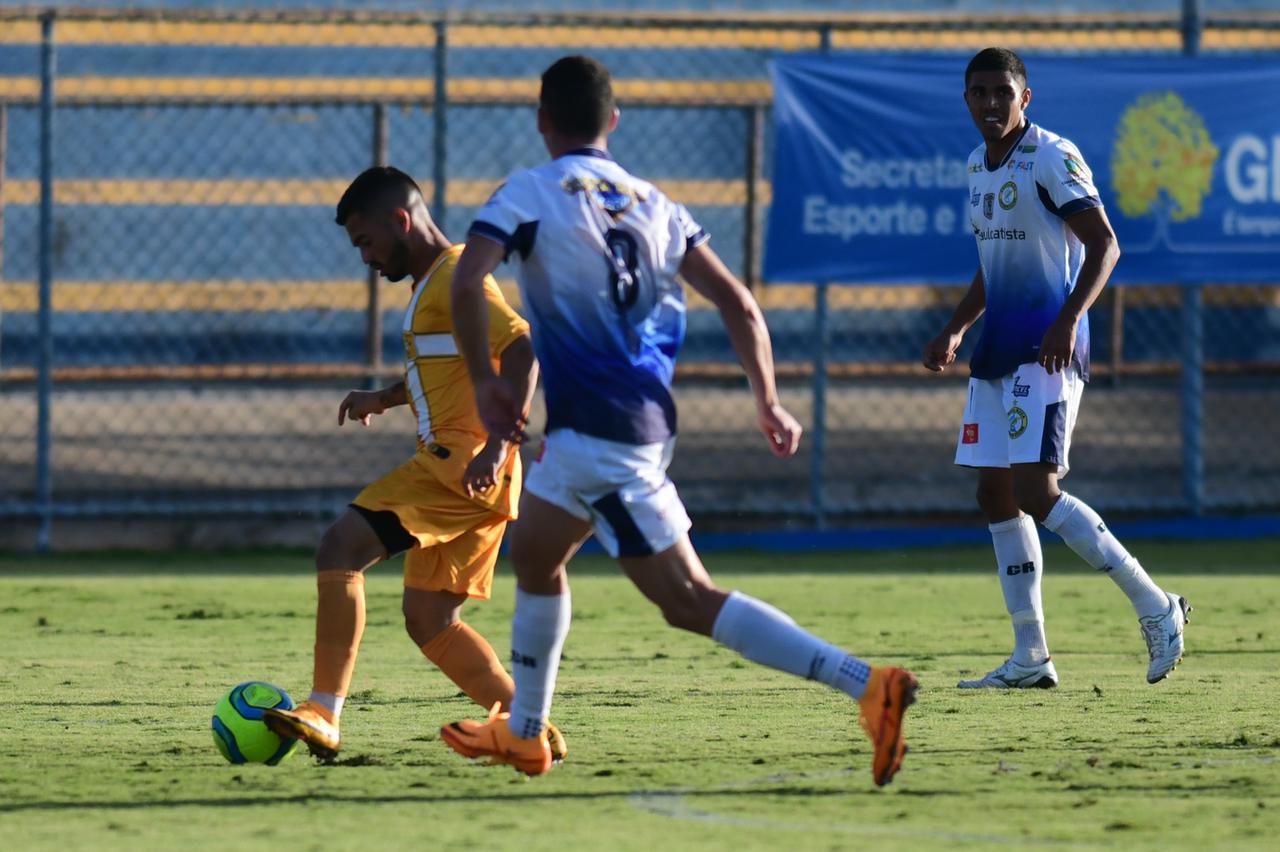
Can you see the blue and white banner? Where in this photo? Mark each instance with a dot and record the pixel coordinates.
(869, 181)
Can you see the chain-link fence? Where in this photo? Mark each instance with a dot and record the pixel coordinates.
(179, 316)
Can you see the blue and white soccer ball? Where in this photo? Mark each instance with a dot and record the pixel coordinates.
(238, 729)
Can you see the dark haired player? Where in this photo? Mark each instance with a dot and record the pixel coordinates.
(1046, 250)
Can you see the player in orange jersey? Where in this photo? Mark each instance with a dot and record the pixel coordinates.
(446, 508)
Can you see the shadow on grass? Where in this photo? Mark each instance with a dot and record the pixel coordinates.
(435, 799)
(1218, 558)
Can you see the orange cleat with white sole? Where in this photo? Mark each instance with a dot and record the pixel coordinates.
(890, 691)
(309, 722)
(493, 739)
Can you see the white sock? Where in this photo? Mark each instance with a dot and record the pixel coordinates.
(538, 631)
(329, 701)
(767, 635)
(1086, 534)
(1020, 563)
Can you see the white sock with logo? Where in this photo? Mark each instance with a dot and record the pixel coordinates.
(1020, 563)
(538, 631)
(768, 636)
(329, 701)
(1086, 534)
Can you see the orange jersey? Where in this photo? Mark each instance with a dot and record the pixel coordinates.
(438, 385)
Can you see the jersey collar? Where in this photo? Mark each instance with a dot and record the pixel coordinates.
(587, 151)
(444, 255)
(1026, 125)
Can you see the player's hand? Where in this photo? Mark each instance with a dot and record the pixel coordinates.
(780, 429)
(360, 405)
(500, 412)
(482, 472)
(940, 352)
(1057, 345)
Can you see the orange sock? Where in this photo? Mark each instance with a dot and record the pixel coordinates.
(339, 626)
(469, 661)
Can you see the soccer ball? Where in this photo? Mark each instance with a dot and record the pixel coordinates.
(238, 729)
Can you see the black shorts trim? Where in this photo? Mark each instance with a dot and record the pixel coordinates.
(386, 526)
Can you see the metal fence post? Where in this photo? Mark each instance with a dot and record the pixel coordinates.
(440, 122)
(1117, 334)
(821, 322)
(755, 176)
(44, 382)
(373, 315)
(1192, 25)
(4, 167)
(1193, 397)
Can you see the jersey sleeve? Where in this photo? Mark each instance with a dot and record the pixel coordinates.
(509, 217)
(1063, 180)
(694, 234)
(505, 325)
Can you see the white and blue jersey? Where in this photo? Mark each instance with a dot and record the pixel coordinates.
(1030, 257)
(596, 253)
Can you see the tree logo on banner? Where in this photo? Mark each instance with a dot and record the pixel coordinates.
(1162, 162)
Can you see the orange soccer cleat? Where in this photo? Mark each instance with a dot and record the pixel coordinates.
(493, 739)
(308, 722)
(890, 692)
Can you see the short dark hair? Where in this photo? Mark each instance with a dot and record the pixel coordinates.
(997, 59)
(380, 186)
(577, 94)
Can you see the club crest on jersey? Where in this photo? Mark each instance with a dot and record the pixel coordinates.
(989, 204)
(1008, 195)
(612, 198)
(1017, 422)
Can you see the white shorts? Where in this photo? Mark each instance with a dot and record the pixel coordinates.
(1022, 418)
(622, 489)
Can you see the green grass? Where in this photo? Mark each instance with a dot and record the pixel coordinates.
(112, 664)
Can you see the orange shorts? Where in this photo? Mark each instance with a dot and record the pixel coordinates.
(458, 539)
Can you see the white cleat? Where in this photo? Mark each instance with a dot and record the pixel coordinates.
(1011, 675)
(1163, 635)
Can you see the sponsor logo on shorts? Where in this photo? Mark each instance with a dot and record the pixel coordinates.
(1017, 422)
(1020, 390)
(970, 434)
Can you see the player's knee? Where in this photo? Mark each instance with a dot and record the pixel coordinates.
(421, 626)
(349, 544)
(693, 608)
(993, 501)
(1034, 501)
(336, 552)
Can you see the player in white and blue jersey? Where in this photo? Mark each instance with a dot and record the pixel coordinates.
(1046, 249)
(597, 251)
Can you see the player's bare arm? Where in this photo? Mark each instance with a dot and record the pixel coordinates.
(940, 352)
(497, 402)
(519, 368)
(707, 274)
(1102, 250)
(362, 405)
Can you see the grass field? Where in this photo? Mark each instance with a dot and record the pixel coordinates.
(112, 665)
